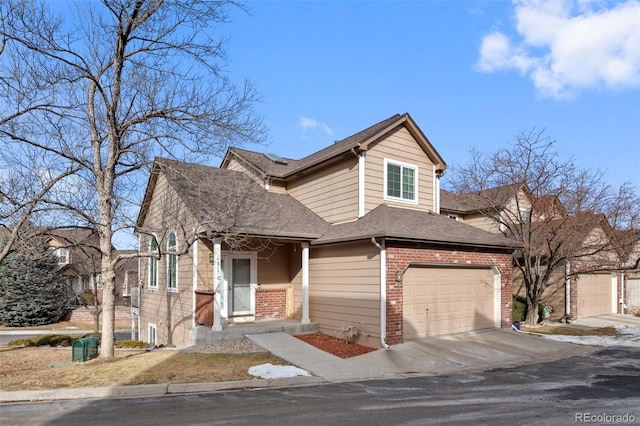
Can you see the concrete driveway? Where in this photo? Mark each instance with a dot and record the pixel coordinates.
(474, 351)
(615, 320)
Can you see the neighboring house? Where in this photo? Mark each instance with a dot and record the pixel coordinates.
(586, 285)
(79, 259)
(630, 282)
(349, 237)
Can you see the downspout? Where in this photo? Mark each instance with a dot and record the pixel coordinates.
(383, 293)
(567, 289)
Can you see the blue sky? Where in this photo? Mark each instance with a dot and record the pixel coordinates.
(472, 74)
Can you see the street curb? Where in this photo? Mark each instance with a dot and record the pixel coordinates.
(154, 390)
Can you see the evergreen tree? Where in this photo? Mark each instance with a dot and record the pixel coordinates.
(32, 290)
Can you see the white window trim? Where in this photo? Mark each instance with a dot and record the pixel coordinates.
(152, 326)
(170, 254)
(150, 263)
(67, 256)
(415, 177)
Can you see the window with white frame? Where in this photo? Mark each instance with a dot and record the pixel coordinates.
(172, 263)
(63, 255)
(153, 264)
(152, 335)
(95, 281)
(524, 215)
(400, 181)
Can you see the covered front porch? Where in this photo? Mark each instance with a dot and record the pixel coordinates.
(264, 286)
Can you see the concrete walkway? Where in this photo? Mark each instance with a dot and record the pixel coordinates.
(450, 354)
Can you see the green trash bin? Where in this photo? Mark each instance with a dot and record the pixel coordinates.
(84, 349)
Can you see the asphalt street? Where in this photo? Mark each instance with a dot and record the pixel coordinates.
(598, 387)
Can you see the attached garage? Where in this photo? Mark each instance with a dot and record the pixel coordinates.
(441, 300)
(632, 290)
(596, 295)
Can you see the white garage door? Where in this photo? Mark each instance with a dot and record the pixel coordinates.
(595, 295)
(441, 300)
(633, 294)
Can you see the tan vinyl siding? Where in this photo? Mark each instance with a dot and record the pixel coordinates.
(171, 312)
(481, 221)
(399, 146)
(238, 166)
(273, 265)
(344, 289)
(332, 192)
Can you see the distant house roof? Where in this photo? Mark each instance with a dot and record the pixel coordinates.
(490, 198)
(358, 141)
(413, 225)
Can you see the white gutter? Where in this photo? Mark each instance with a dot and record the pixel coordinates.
(383, 293)
(567, 289)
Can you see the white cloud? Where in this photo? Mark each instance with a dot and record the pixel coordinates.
(311, 123)
(568, 45)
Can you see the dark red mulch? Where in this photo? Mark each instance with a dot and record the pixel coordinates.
(334, 345)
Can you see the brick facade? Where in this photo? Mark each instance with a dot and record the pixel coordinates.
(83, 315)
(271, 303)
(399, 258)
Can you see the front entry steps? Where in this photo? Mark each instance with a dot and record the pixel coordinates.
(203, 335)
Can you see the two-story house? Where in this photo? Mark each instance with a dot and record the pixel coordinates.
(585, 282)
(349, 238)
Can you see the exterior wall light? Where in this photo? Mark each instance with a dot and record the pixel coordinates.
(398, 276)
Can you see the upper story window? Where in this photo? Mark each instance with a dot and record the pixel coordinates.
(524, 215)
(400, 181)
(153, 264)
(63, 255)
(172, 263)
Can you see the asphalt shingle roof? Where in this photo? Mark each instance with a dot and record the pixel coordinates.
(413, 225)
(272, 168)
(229, 201)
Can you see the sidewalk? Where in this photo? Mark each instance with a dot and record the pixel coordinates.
(465, 352)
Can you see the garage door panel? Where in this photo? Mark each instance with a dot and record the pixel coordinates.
(594, 295)
(456, 299)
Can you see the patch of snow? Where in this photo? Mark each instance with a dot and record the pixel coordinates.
(270, 371)
(630, 336)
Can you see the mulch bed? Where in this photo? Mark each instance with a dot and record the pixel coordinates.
(334, 345)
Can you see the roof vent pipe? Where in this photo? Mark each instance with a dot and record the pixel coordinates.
(383, 293)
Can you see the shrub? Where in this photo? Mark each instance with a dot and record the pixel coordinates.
(519, 308)
(131, 344)
(45, 340)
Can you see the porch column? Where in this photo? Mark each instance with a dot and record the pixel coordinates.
(305, 283)
(217, 285)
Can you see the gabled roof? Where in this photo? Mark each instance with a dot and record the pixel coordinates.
(490, 198)
(227, 201)
(357, 142)
(413, 225)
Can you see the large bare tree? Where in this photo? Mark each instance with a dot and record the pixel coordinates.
(554, 207)
(95, 91)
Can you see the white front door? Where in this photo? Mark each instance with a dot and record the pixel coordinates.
(239, 272)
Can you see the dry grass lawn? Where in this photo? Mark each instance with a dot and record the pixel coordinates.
(573, 331)
(51, 368)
